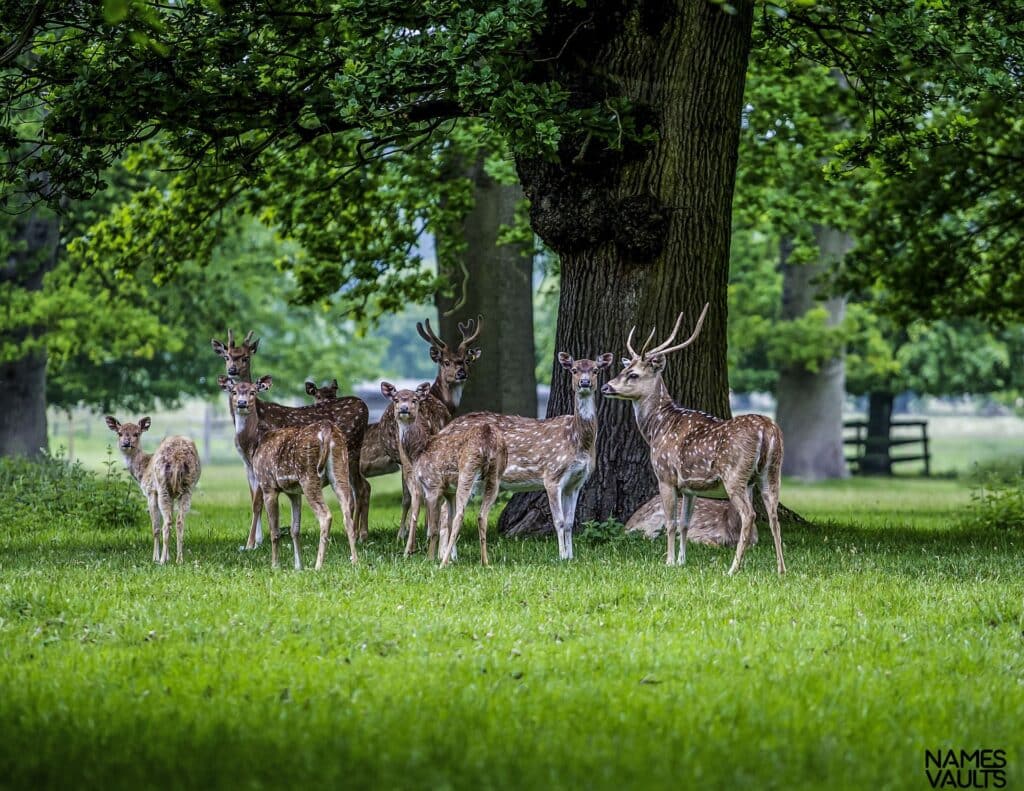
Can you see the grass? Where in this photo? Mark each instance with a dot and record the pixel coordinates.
(895, 631)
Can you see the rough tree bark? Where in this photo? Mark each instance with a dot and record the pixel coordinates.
(643, 232)
(497, 285)
(35, 244)
(810, 403)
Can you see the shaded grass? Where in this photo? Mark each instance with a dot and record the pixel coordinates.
(894, 631)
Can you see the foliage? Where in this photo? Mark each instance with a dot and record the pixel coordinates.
(48, 493)
(118, 672)
(999, 505)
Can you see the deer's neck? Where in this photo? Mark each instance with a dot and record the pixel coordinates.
(412, 438)
(449, 395)
(652, 409)
(136, 462)
(246, 431)
(585, 422)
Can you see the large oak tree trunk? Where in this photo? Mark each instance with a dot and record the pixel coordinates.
(23, 381)
(810, 403)
(642, 233)
(496, 284)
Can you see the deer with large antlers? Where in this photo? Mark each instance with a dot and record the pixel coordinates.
(445, 467)
(381, 453)
(349, 413)
(297, 460)
(695, 454)
(555, 454)
(166, 477)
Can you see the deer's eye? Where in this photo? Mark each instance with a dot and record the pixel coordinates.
(633, 376)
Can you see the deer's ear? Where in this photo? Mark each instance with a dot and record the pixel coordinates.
(310, 388)
(472, 355)
(113, 423)
(657, 363)
(625, 362)
(145, 423)
(423, 390)
(226, 383)
(605, 360)
(265, 383)
(565, 360)
(254, 345)
(435, 354)
(333, 385)
(218, 348)
(387, 390)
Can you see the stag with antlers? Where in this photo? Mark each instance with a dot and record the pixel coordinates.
(381, 454)
(349, 413)
(695, 454)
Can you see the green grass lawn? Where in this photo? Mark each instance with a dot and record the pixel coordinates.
(894, 631)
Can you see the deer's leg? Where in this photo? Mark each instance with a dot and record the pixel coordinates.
(416, 498)
(255, 538)
(669, 504)
(446, 522)
(343, 491)
(274, 523)
(446, 515)
(167, 512)
(555, 504)
(686, 506)
(491, 488)
(770, 498)
(361, 511)
(154, 521)
(296, 502)
(569, 499)
(433, 520)
(403, 526)
(184, 504)
(462, 495)
(741, 496)
(315, 496)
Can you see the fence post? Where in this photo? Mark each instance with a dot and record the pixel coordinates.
(207, 432)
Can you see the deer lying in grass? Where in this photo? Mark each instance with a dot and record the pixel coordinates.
(168, 475)
(694, 453)
(348, 413)
(298, 460)
(380, 454)
(448, 468)
(556, 454)
(328, 392)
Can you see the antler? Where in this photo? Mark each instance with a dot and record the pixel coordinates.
(664, 348)
(429, 336)
(629, 344)
(468, 326)
(231, 339)
(248, 337)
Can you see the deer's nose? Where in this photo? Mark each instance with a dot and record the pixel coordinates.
(233, 370)
(607, 389)
(460, 375)
(585, 382)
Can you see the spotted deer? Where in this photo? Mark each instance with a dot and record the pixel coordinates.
(694, 453)
(555, 454)
(327, 392)
(349, 413)
(380, 447)
(167, 476)
(297, 460)
(447, 468)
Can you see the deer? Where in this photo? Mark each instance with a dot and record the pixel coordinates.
(349, 413)
(380, 454)
(298, 460)
(694, 453)
(556, 454)
(439, 467)
(167, 476)
(327, 392)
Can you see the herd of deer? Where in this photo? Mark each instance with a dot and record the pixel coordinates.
(298, 451)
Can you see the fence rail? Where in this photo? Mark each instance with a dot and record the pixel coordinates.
(878, 448)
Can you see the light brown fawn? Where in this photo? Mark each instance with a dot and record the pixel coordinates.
(297, 460)
(445, 468)
(694, 453)
(327, 392)
(380, 453)
(349, 413)
(168, 475)
(555, 454)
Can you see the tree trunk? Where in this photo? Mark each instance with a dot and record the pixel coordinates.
(23, 381)
(876, 459)
(642, 233)
(810, 403)
(496, 284)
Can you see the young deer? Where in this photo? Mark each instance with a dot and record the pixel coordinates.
(298, 460)
(448, 468)
(328, 392)
(556, 454)
(348, 413)
(380, 447)
(166, 476)
(694, 453)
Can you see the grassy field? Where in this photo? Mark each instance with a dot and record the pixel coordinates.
(895, 631)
